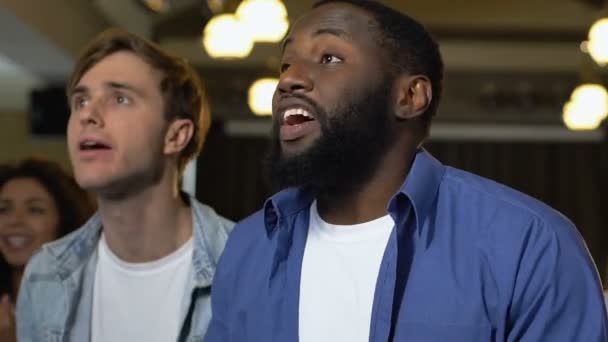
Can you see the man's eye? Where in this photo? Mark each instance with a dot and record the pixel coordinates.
(80, 102)
(121, 99)
(328, 59)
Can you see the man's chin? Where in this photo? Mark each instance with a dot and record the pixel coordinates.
(293, 148)
(291, 170)
(94, 184)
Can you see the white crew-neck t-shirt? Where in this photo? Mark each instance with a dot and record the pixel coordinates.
(139, 301)
(339, 273)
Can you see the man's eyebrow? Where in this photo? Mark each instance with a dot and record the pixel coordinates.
(342, 34)
(334, 32)
(122, 86)
(80, 89)
(83, 89)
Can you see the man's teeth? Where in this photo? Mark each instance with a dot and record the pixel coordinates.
(296, 111)
(92, 144)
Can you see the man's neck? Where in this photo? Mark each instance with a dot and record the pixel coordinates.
(368, 201)
(147, 225)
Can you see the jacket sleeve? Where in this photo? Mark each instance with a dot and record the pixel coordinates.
(557, 294)
(26, 322)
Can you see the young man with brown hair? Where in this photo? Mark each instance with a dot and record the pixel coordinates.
(141, 268)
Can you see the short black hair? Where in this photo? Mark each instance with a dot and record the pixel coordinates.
(409, 45)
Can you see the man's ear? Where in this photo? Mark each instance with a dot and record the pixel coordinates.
(413, 96)
(178, 135)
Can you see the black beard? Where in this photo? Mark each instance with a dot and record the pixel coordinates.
(348, 152)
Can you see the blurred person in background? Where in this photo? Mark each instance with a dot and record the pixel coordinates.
(39, 202)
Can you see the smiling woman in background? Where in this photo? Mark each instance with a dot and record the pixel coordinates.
(39, 203)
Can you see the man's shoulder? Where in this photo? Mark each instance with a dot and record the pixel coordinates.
(211, 230)
(488, 195)
(209, 218)
(251, 229)
(496, 217)
(53, 255)
(247, 240)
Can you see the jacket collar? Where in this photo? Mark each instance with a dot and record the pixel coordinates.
(73, 251)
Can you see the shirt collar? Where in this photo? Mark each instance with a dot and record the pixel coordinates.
(283, 204)
(420, 188)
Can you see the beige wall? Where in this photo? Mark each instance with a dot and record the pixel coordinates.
(16, 142)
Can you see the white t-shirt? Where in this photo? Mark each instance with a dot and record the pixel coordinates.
(139, 301)
(339, 272)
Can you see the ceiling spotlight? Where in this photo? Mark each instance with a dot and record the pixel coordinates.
(266, 20)
(226, 37)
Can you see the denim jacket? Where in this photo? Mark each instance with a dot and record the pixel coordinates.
(56, 295)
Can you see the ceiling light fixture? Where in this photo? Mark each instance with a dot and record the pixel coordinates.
(266, 20)
(226, 37)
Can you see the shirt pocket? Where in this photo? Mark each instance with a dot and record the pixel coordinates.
(433, 332)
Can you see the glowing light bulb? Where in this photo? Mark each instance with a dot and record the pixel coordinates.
(260, 96)
(226, 37)
(266, 20)
(598, 41)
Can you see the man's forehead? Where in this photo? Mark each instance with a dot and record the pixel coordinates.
(343, 16)
(122, 67)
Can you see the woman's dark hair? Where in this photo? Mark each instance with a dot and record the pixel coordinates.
(73, 204)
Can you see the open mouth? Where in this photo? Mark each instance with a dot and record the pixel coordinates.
(298, 123)
(297, 116)
(17, 241)
(91, 145)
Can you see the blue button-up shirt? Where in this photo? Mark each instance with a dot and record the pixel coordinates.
(468, 260)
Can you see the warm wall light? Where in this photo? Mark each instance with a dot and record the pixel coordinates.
(266, 20)
(587, 108)
(577, 118)
(260, 96)
(598, 41)
(226, 37)
(594, 96)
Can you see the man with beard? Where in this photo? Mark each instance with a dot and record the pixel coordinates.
(374, 240)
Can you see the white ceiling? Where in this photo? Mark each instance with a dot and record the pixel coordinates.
(15, 83)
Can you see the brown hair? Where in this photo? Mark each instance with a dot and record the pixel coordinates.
(182, 88)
